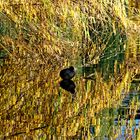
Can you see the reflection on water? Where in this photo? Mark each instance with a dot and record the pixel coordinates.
(128, 129)
(129, 117)
(119, 123)
(127, 122)
(123, 123)
(68, 85)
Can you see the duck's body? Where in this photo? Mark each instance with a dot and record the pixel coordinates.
(68, 73)
(68, 85)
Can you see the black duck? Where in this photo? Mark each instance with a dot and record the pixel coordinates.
(68, 73)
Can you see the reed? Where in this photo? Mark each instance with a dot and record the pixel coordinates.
(40, 37)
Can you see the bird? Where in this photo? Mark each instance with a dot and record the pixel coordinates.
(68, 73)
(68, 85)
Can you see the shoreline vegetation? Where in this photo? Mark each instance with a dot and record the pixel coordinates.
(38, 38)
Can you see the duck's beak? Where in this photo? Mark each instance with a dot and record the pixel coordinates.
(75, 69)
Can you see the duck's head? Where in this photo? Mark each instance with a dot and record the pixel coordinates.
(71, 68)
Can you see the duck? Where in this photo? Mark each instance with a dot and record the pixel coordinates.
(68, 85)
(68, 73)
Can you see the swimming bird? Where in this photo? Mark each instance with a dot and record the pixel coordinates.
(68, 73)
(68, 85)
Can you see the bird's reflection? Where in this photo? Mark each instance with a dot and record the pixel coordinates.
(68, 85)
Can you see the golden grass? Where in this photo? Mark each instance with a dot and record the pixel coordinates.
(44, 37)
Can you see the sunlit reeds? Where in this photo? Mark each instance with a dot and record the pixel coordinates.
(41, 37)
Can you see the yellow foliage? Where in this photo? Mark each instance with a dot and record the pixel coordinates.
(47, 36)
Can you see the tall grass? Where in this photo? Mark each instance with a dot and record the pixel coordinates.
(39, 38)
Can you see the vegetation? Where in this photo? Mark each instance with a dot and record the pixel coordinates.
(38, 38)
